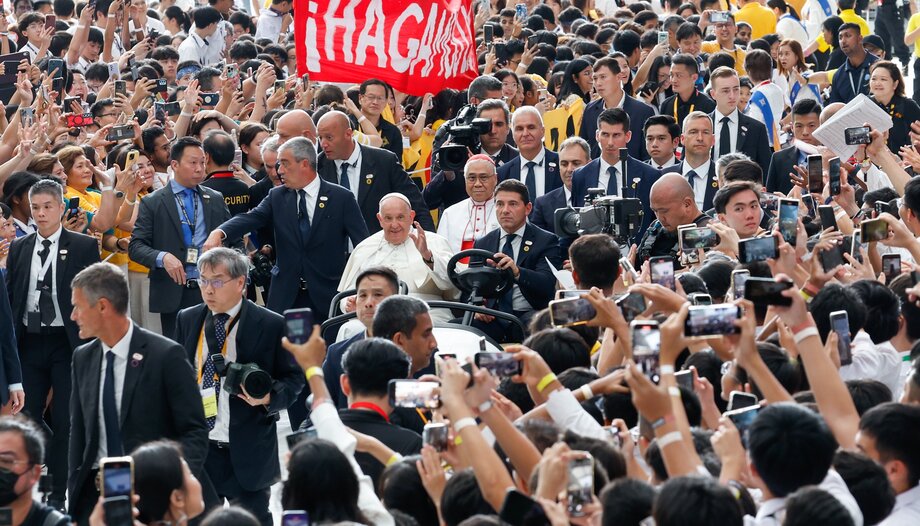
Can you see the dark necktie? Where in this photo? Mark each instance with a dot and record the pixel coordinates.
(113, 447)
(45, 302)
(725, 138)
(506, 302)
(691, 178)
(208, 372)
(612, 180)
(188, 203)
(343, 178)
(302, 214)
(531, 180)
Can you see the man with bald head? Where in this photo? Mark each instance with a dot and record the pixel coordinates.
(674, 204)
(464, 223)
(295, 123)
(419, 258)
(368, 173)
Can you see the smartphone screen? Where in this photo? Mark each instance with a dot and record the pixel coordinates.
(740, 400)
(435, 434)
(766, 291)
(298, 325)
(840, 324)
(788, 219)
(697, 238)
(488, 33)
(294, 518)
(873, 230)
(580, 486)
(646, 343)
(631, 305)
(499, 364)
(743, 418)
(704, 321)
(569, 312)
(815, 177)
(831, 258)
(662, 269)
(117, 478)
(739, 277)
(891, 266)
(415, 394)
(833, 175)
(757, 249)
(828, 219)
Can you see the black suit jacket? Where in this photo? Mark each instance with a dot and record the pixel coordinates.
(551, 178)
(638, 112)
(588, 176)
(332, 369)
(158, 229)
(781, 165)
(160, 399)
(536, 280)
(10, 370)
(319, 259)
(252, 429)
(440, 193)
(544, 209)
(75, 253)
(752, 138)
(712, 181)
(381, 174)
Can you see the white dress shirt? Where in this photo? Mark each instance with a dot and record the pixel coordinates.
(519, 302)
(205, 51)
(699, 184)
(603, 176)
(121, 350)
(732, 128)
(36, 276)
(906, 510)
(667, 164)
(269, 25)
(773, 511)
(221, 431)
(354, 169)
(539, 171)
(312, 190)
(873, 362)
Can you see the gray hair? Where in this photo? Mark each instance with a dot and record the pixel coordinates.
(302, 150)
(725, 160)
(493, 104)
(270, 145)
(526, 110)
(47, 187)
(236, 263)
(397, 314)
(103, 280)
(481, 86)
(694, 115)
(576, 141)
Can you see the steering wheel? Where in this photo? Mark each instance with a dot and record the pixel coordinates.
(479, 278)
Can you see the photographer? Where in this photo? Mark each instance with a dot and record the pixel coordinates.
(249, 335)
(445, 188)
(673, 202)
(21, 459)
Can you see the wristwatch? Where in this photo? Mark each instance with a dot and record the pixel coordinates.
(119, 194)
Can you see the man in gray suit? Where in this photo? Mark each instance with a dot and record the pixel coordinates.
(171, 228)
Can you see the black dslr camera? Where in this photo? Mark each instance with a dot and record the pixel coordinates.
(618, 217)
(257, 382)
(460, 136)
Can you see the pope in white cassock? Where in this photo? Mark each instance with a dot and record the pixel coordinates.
(419, 258)
(463, 223)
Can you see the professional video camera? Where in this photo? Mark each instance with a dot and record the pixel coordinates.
(257, 382)
(618, 217)
(460, 136)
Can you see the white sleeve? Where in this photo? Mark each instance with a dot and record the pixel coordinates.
(330, 427)
(568, 413)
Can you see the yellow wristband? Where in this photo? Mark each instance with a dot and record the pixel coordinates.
(458, 440)
(394, 459)
(313, 371)
(546, 380)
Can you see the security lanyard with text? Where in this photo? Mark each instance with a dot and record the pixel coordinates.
(191, 222)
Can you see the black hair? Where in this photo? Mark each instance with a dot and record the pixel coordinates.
(560, 348)
(462, 499)
(149, 137)
(614, 116)
(812, 505)
(609, 463)
(708, 366)
(157, 473)
(626, 501)
(849, 25)
(721, 59)
(683, 59)
(384, 272)
(912, 196)
(663, 120)
(321, 482)
(401, 488)
(241, 19)
(165, 53)
(626, 42)
(688, 30)
(178, 148)
(909, 310)
(569, 86)
(835, 297)
(545, 12)
(397, 314)
(758, 64)
(696, 501)
(205, 16)
(832, 25)
(371, 363)
(781, 366)
(32, 436)
(895, 428)
(790, 447)
(741, 170)
(220, 147)
(868, 483)
(881, 307)
(867, 394)
(176, 13)
(806, 107)
(717, 274)
(64, 7)
(727, 192)
(596, 260)
(17, 186)
(232, 515)
(514, 186)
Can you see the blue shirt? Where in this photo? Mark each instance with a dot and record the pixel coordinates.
(199, 236)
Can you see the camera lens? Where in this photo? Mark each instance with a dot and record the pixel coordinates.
(257, 382)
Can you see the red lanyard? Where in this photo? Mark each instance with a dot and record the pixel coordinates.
(372, 407)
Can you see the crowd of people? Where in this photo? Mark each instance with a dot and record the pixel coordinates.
(197, 239)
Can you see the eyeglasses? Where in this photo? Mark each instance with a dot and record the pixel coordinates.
(108, 114)
(216, 283)
(8, 463)
(374, 98)
(480, 179)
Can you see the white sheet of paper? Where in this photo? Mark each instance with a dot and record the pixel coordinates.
(564, 277)
(858, 112)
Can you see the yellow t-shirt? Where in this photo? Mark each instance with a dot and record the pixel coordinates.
(89, 202)
(761, 19)
(738, 54)
(132, 265)
(912, 25)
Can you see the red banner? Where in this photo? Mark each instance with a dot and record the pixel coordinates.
(417, 47)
